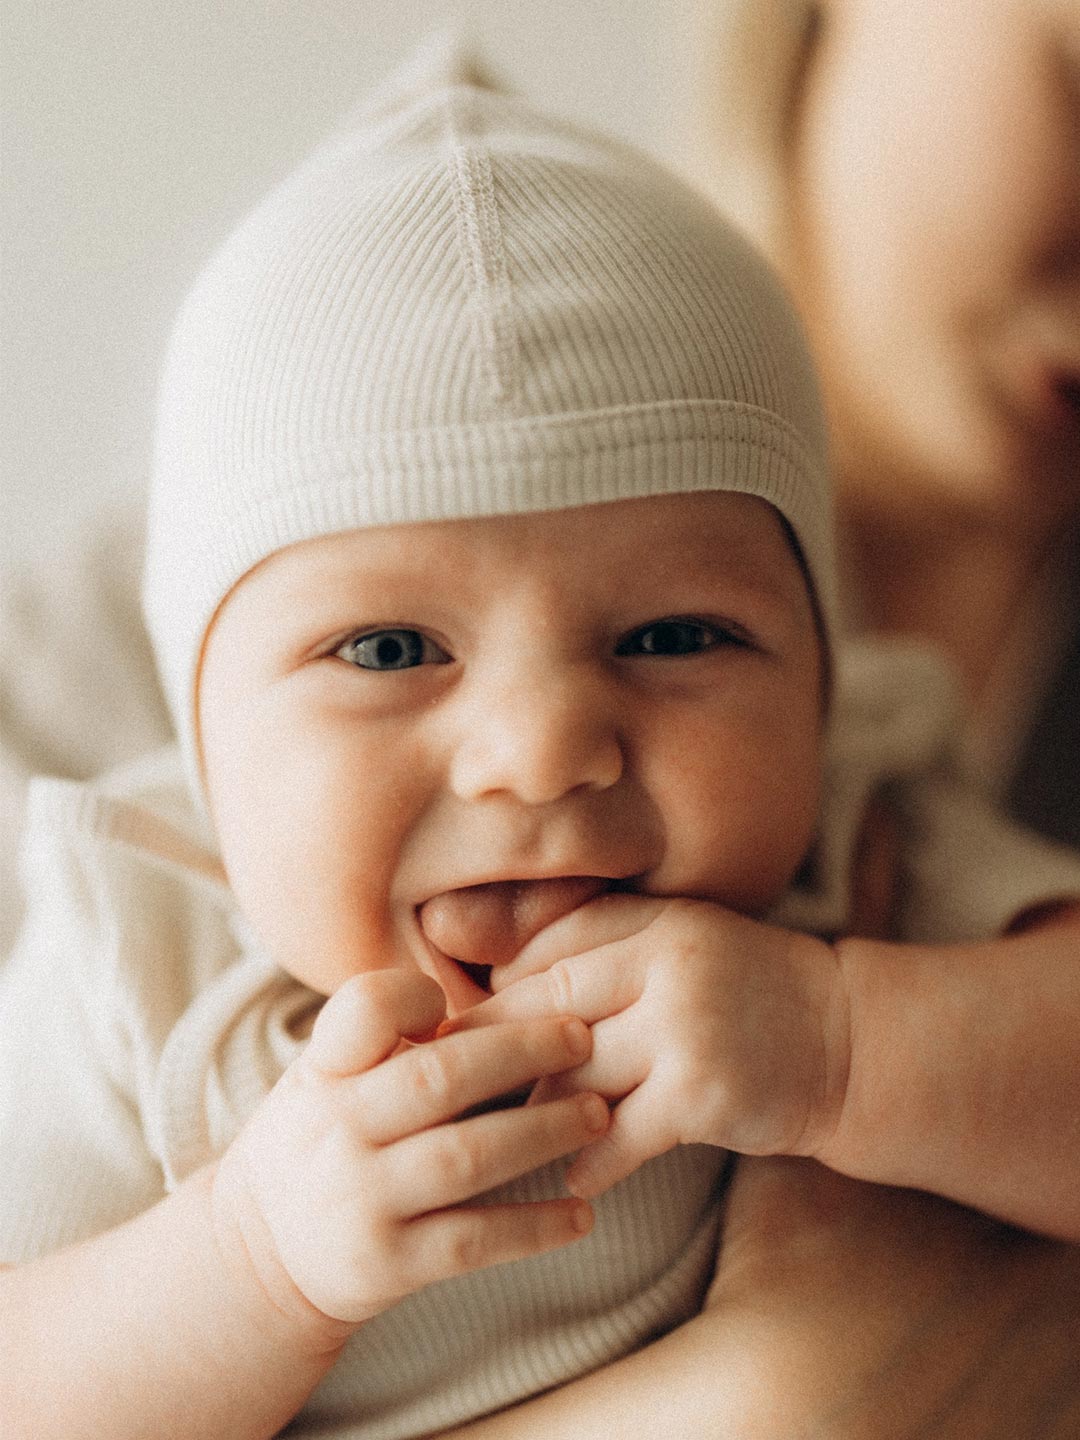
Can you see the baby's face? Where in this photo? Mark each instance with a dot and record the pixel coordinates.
(629, 692)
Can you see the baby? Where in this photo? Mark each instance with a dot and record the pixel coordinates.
(491, 582)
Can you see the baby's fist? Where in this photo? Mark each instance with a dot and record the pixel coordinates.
(352, 1184)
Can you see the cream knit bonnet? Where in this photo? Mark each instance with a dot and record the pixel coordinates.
(461, 307)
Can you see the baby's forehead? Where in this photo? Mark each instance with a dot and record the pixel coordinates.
(719, 531)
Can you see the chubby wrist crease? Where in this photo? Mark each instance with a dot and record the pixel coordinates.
(824, 1117)
(246, 1250)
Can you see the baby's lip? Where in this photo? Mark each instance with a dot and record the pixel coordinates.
(480, 926)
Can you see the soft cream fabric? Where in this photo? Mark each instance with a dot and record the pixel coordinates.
(966, 872)
(79, 693)
(139, 1026)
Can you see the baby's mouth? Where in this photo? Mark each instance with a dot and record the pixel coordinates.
(482, 926)
(480, 975)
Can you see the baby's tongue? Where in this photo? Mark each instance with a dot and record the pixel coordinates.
(490, 924)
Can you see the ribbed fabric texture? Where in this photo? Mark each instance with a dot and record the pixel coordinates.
(459, 307)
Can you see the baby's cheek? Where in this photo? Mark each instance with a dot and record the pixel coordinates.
(753, 832)
(305, 916)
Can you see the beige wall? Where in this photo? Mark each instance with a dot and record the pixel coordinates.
(137, 132)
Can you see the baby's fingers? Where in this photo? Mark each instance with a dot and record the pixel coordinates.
(591, 986)
(443, 1167)
(637, 1133)
(432, 1083)
(454, 1242)
(610, 920)
(367, 1018)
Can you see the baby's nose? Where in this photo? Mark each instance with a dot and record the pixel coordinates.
(538, 741)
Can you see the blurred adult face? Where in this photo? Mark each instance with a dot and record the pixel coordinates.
(936, 250)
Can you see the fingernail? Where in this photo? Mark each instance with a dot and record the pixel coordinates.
(581, 1217)
(576, 1035)
(597, 1115)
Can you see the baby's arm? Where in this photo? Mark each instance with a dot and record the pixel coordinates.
(964, 1072)
(153, 1329)
(951, 1068)
(220, 1309)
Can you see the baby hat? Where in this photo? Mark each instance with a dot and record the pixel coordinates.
(461, 307)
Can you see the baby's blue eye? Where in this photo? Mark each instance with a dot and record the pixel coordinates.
(391, 650)
(676, 637)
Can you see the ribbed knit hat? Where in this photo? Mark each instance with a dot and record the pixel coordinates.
(461, 307)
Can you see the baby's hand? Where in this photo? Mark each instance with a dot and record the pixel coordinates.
(351, 1180)
(707, 1027)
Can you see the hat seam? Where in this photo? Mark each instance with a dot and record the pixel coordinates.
(377, 450)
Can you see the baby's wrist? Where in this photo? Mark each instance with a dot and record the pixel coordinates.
(263, 1290)
(833, 1002)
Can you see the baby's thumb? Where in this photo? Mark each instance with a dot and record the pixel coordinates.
(365, 1021)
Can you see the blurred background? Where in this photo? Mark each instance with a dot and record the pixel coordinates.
(136, 135)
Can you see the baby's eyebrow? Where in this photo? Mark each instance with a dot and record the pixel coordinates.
(746, 577)
(341, 583)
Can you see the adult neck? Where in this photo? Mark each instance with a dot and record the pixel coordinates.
(957, 579)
